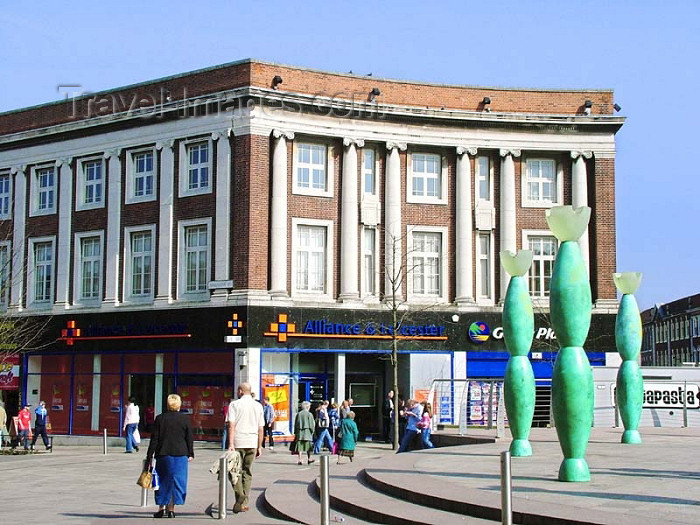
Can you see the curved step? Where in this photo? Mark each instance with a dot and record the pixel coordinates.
(349, 494)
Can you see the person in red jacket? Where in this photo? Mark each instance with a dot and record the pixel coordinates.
(24, 423)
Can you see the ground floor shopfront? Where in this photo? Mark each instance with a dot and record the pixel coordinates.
(92, 363)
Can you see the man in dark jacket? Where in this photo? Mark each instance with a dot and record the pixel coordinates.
(42, 416)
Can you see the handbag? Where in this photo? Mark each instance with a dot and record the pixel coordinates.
(137, 436)
(145, 479)
(293, 447)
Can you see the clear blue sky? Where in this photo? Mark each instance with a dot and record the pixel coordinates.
(646, 50)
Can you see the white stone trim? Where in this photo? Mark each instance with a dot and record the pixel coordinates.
(31, 296)
(182, 295)
(17, 291)
(224, 226)
(483, 299)
(114, 210)
(464, 291)
(330, 164)
(65, 226)
(129, 298)
(80, 183)
(129, 197)
(559, 181)
(164, 279)
(184, 163)
(444, 276)
(34, 210)
(278, 216)
(422, 199)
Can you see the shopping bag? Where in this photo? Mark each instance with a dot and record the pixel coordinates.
(137, 436)
(335, 448)
(155, 482)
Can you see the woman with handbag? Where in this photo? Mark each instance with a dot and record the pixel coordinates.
(304, 432)
(349, 434)
(172, 446)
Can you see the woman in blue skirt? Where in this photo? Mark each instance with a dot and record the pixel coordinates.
(171, 445)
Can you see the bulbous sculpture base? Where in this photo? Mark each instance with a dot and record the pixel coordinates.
(631, 437)
(520, 448)
(574, 469)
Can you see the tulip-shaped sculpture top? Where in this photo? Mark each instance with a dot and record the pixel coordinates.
(568, 223)
(516, 264)
(627, 282)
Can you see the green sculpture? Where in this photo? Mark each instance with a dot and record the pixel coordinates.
(629, 391)
(518, 330)
(570, 308)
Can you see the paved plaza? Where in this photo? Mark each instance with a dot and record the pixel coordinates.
(655, 482)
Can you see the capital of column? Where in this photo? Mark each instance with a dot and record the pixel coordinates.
(112, 153)
(277, 133)
(461, 150)
(168, 143)
(216, 135)
(584, 154)
(64, 161)
(348, 141)
(18, 169)
(401, 146)
(504, 152)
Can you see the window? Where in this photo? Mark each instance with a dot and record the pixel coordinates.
(5, 258)
(541, 186)
(139, 263)
(369, 261)
(544, 251)
(312, 170)
(369, 172)
(5, 195)
(484, 267)
(195, 259)
(44, 191)
(426, 260)
(141, 177)
(311, 259)
(196, 167)
(91, 184)
(483, 179)
(40, 282)
(426, 178)
(89, 275)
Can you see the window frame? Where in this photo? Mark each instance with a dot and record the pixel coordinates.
(36, 190)
(82, 184)
(477, 180)
(130, 197)
(364, 291)
(182, 293)
(184, 164)
(328, 293)
(485, 298)
(5, 274)
(539, 299)
(78, 268)
(441, 177)
(32, 301)
(4, 215)
(128, 294)
(329, 157)
(425, 298)
(374, 173)
(558, 182)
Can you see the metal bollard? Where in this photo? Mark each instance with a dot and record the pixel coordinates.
(104, 442)
(506, 490)
(144, 497)
(685, 404)
(223, 478)
(325, 492)
(50, 444)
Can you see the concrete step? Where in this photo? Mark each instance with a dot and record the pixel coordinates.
(350, 494)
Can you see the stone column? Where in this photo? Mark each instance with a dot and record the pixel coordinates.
(393, 232)
(113, 204)
(18, 241)
(63, 248)
(579, 196)
(278, 215)
(507, 212)
(340, 377)
(464, 259)
(349, 281)
(222, 232)
(164, 294)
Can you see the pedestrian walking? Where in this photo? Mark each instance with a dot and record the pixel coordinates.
(245, 435)
(131, 424)
(349, 434)
(3, 423)
(40, 423)
(24, 425)
(172, 447)
(323, 424)
(413, 415)
(387, 415)
(424, 424)
(269, 417)
(304, 432)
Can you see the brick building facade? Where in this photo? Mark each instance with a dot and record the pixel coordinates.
(243, 222)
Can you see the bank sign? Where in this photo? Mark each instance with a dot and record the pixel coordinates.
(480, 332)
(668, 395)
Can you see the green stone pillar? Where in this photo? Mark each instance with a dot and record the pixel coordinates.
(570, 309)
(518, 331)
(629, 391)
